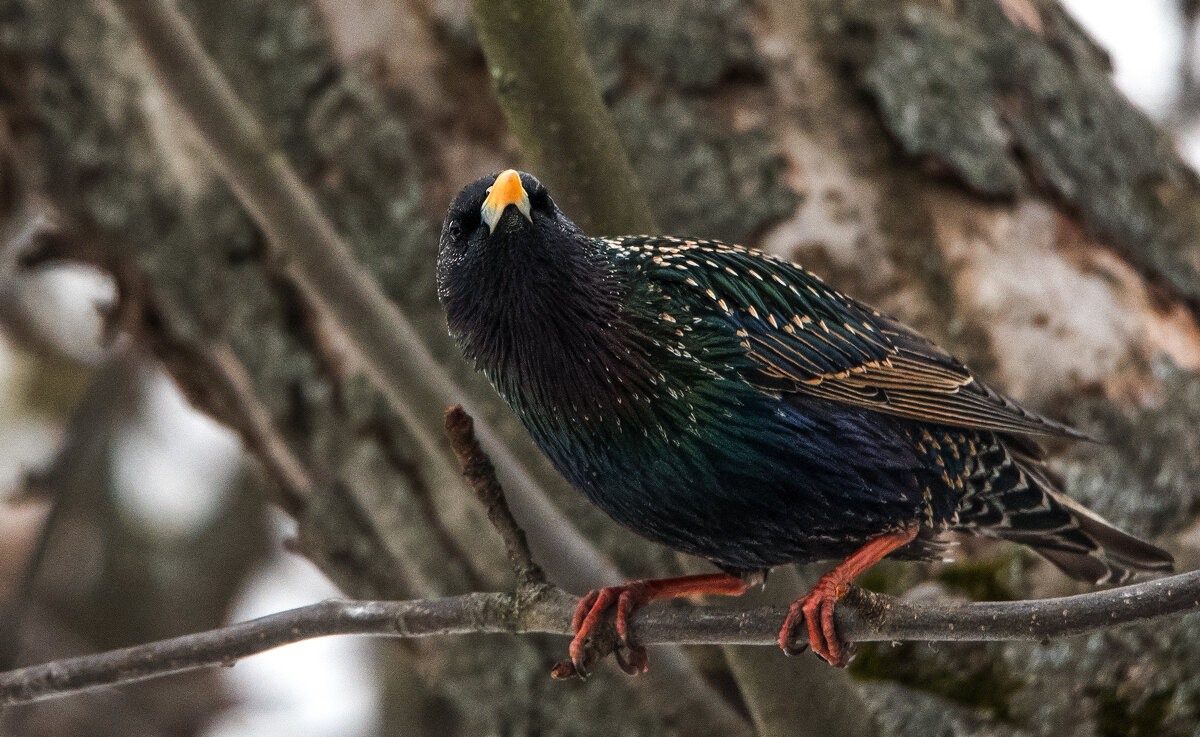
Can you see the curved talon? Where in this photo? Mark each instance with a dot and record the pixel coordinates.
(563, 670)
(633, 659)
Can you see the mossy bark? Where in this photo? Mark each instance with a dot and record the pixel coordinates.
(544, 83)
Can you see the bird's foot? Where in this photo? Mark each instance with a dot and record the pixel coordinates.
(816, 609)
(627, 598)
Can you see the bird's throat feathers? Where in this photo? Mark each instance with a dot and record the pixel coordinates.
(542, 319)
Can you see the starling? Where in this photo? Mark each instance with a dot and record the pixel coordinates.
(730, 405)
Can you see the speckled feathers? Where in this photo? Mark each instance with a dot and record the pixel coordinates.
(731, 405)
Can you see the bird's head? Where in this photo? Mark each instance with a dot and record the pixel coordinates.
(509, 259)
(496, 219)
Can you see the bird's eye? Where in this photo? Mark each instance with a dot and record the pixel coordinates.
(454, 230)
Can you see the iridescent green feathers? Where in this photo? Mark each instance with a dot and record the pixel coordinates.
(806, 338)
(731, 405)
(799, 338)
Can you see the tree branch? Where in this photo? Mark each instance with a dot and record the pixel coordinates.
(540, 607)
(863, 617)
(544, 83)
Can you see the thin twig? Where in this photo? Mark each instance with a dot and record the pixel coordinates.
(479, 472)
(863, 617)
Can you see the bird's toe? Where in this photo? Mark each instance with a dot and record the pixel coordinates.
(589, 613)
(787, 634)
(815, 611)
(823, 636)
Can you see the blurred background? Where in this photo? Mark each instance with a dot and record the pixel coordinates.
(130, 515)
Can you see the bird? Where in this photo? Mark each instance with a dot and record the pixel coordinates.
(730, 405)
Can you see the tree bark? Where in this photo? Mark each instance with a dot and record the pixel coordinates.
(967, 166)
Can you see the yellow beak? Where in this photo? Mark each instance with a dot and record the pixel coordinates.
(505, 191)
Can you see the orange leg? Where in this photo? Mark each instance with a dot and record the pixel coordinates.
(629, 598)
(816, 608)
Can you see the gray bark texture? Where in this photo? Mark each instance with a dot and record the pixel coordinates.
(967, 166)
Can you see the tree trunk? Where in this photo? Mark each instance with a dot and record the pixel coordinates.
(967, 166)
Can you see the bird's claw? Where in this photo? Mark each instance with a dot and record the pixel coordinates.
(589, 613)
(565, 669)
(849, 651)
(816, 609)
(632, 659)
(577, 665)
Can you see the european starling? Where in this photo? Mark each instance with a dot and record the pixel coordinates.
(730, 405)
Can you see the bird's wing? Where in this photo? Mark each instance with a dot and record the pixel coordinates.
(801, 336)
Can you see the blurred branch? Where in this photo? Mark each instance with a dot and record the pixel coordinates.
(864, 617)
(86, 437)
(388, 347)
(539, 68)
(1187, 100)
(231, 384)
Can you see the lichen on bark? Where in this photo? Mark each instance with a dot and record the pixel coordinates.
(1006, 110)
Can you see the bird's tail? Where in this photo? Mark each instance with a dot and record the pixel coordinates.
(1081, 543)
(1094, 551)
(1021, 505)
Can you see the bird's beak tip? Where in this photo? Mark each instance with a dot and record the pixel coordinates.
(506, 190)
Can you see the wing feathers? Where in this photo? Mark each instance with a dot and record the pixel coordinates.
(802, 337)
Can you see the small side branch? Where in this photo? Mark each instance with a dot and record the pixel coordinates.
(481, 475)
(864, 617)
